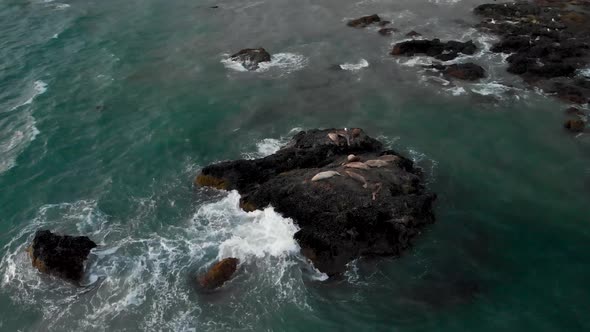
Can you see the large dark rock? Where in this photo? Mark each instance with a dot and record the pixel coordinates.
(548, 40)
(60, 255)
(219, 273)
(364, 21)
(372, 207)
(434, 48)
(251, 57)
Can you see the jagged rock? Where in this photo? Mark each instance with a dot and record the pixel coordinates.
(434, 48)
(364, 21)
(219, 273)
(413, 34)
(60, 255)
(340, 217)
(251, 57)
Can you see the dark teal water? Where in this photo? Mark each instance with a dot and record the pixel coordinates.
(129, 99)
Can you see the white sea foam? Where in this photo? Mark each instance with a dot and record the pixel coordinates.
(355, 66)
(584, 72)
(457, 91)
(18, 128)
(490, 88)
(39, 88)
(284, 63)
(141, 275)
(268, 146)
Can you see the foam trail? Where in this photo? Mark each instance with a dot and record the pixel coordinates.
(355, 66)
(284, 62)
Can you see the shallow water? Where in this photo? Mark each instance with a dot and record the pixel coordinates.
(109, 109)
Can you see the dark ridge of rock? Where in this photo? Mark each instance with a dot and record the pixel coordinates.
(434, 48)
(387, 31)
(549, 41)
(251, 57)
(413, 34)
(368, 208)
(383, 23)
(463, 71)
(219, 273)
(575, 125)
(574, 111)
(364, 21)
(60, 255)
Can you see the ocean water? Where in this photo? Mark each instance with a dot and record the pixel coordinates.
(108, 109)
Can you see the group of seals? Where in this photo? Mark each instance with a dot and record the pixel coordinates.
(348, 135)
(353, 161)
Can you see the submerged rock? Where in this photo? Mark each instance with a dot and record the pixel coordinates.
(575, 125)
(219, 273)
(364, 21)
(548, 42)
(60, 255)
(387, 31)
(434, 48)
(366, 211)
(463, 71)
(251, 57)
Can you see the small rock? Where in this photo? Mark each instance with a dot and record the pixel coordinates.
(574, 111)
(251, 57)
(465, 71)
(413, 34)
(575, 125)
(387, 31)
(219, 273)
(364, 21)
(60, 255)
(383, 23)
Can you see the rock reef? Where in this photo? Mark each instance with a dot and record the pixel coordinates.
(219, 273)
(548, 41)
(443, 51)
(60, 255)
(373, 204)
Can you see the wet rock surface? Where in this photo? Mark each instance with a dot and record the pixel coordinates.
(364, 21)
(219, 273)
(463, 71)
(60, 255)
(548, 42)
(443, 51)
(348, 195)
(250, 58)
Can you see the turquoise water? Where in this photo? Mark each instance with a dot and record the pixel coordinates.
(128, 100)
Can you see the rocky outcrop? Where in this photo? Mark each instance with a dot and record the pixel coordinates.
(348, 195)
(250, 58)
(548, 42)
(434, 48)
(219, 273)
(364, 21)
(60, 255)
(463, 71)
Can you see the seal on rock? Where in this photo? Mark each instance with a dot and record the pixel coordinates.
(376, 163)
(352, 158)
(357, 165)
(324, 175)
(357, 177)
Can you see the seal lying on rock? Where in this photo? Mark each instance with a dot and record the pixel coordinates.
(329, 212)
(60, 255)
(324, 175)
